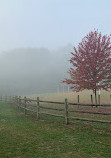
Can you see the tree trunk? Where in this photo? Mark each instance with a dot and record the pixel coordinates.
(95, 98)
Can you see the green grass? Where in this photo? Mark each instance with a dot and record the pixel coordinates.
(33, 106)
(24, 137)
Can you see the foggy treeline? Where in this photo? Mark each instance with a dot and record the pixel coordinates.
(33, 70)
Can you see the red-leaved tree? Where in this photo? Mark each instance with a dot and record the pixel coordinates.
(91, 63)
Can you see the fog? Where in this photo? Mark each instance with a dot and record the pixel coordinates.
(33, 70)
(34, 37)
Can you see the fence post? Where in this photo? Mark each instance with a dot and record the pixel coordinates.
(17, 101)
(13, 100)
(19, 104)
(99, 99)
(10, 99)
(5, 99)
(110, 98)
(25, 105)
(38, 108)
(78, 99)
(91, 99)
(66, 111)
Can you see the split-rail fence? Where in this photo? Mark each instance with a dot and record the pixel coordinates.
(64, 109)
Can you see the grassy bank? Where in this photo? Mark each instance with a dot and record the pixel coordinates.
(24, 137)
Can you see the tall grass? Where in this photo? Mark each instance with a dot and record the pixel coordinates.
(85, 96)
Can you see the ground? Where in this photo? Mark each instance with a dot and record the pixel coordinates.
(25, 137)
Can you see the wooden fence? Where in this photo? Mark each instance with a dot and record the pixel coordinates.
(68, 111)
(65, 109)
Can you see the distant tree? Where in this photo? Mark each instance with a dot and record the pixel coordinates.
(91, 63)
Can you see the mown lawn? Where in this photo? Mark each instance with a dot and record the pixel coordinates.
(24, 137)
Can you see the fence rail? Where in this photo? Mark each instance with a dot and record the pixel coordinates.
(67, 109)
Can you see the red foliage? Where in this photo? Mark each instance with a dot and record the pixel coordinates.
(91, 63)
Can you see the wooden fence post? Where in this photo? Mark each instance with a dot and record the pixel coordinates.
(99, 99)
(19, 104)
(10, 99)
(18, 101)
(66, 111)
(13, 99)
(5, 99)
(25, 105)
(110, 98)
(91, 99)
(38, 108)
(78, 99)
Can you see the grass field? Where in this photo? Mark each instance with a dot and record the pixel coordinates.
(85, 96)
(24, 137)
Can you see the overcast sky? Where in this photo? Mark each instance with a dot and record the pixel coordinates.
(51, 23)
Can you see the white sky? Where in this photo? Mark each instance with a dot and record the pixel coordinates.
(51, 23)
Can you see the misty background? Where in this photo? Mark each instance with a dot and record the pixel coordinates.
(33, 70)
(37, 36)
